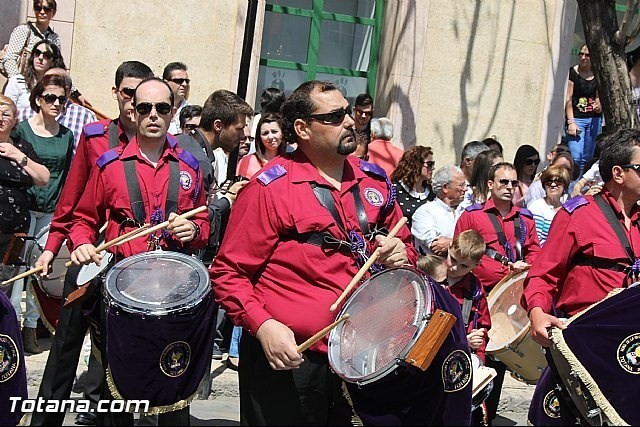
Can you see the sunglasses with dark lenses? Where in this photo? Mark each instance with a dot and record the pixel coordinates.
(429, 163)
(530, 162)
(180, 81)
(190, 126)
(586, 55)
(45, 53)
(634, 166)
(51, 98)
(361, 113)
(556, 181)
(334, 117)
(505, 182)
(145, 108)
(560, 150)
(45, 9)
(127, 92)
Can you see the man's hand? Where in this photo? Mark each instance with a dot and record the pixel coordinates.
(279, 345)
(182, 228)
(540, 322)
(393, 252)
(85, 254)
(518, 266)
(476, 338)
(440, 245)
(593, 190)
(232, 192)
(45, 260)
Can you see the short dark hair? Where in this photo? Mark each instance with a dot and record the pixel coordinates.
(52, 4)
(492, 141)
(300, 106)
(188, 112)
(38, 89)
(133, 69)
(152, 79)
(225, 106)
(271, 100)
(171, 67)
(363, 100)
(502, 165)
(617, 151)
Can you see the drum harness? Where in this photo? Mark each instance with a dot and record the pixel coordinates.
(511, 256)
(471, 300)
(632, 269)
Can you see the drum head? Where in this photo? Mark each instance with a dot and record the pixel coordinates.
(508, 319)
(53, 285)
(90, 271)
(386, 315)
(157, 283)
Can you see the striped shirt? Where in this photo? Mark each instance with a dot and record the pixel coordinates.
(543, 214)
(17, 42)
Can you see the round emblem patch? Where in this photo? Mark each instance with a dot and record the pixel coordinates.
(175, 359)
(456, 371)
(629, 354)
(185, 180)
(373, 196)
(551, 405)
(9, 358)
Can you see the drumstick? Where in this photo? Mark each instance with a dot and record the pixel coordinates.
(115, 241)
(164, 224)
(360, 274)
(103, 228)
(318, 336)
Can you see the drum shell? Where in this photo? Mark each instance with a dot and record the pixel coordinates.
(53, 286)
(524, 357)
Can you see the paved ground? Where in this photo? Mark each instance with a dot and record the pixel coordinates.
(222, 407)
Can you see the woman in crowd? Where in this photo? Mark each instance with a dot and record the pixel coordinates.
(45, 55)
(53, 143)
(555, 181)
(526, 163)
(269, 144)
(412, 179)
(583, 110)
(480, 174)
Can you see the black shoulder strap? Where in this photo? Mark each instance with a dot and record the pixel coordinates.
(362, 214)
(174, 188)
(502, 238)
(112, 133)
(204, 144)
(614, 222)
(517, 228)
(323, 195)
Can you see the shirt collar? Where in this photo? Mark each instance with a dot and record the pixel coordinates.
(635, 212)
(132, 149)
(490, 205)
(302, 170)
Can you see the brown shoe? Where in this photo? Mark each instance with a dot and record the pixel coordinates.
(30, 341)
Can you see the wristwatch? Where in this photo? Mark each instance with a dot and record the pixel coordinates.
(24, 161)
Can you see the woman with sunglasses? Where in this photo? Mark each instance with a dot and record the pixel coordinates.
(526, 163)
(583, 110)
(44, 56)
(555, 181)
(53, 143)
(412, 179)
(269, 144)
(27, 35)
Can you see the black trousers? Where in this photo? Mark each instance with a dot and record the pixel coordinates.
(309, 396)
(494, 398)
(60, 371)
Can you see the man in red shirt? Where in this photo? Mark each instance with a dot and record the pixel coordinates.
(298, 234)
(584, 257)
(512, 244)
(96, 139)
(382, 152)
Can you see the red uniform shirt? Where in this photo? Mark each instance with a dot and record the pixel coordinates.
(579, 233)
(475, 217)
(264, 271)
(385, 154)
(107, 191)
(94, 142)
(479, 316)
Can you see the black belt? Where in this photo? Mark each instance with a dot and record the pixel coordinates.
(601, 263)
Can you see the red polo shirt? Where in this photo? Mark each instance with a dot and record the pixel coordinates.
(384, 154)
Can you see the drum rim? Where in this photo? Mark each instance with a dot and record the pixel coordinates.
(28, 254)
(498, 290)
(127, 305)
(421, 324)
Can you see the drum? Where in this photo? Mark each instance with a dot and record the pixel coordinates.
(53, 285)
(482, 381)
(509, 338)
(597, 357)
(388, 315)
(159, 328)
(91, 271)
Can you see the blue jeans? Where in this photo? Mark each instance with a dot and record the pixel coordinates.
(39, 221)
(235, 342)
(583, 145)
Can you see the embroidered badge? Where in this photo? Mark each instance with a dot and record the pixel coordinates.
(456, 371)
(175, 359)
(374, 197)
(9, 358)
(185, 180)
(629, 354)
(551, 405)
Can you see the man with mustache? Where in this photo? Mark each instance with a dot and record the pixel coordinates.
(278, 279)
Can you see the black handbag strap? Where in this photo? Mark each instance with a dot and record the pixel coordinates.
(502, 238)
(613, 221)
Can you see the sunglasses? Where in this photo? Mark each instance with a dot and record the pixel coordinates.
(51, 98)
(127, 92)
(530, 162)
(45, 9)
(180, 81)
(505, 182)
(634, 166)
(556, 181)
(334, 117)
(190, 126)
(361, 113)
(429, 164)
(145, 108)
(45, 53)
(586, 55)
(560, 150)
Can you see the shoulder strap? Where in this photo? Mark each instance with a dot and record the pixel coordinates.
(360, 211)
(112, 132)
(323, 195)
(502, 238)
(613, 221)
(135, 195)
(174, 187)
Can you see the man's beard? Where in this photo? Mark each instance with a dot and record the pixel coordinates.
(344, 147)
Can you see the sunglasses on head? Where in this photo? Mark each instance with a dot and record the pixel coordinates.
(180, 81)
(334, 117)
(530, 162)
(145, 108)
(51, 98)
(45, 53)
(505, 182)
(556, 181)
(45, 9)
(127, 92)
